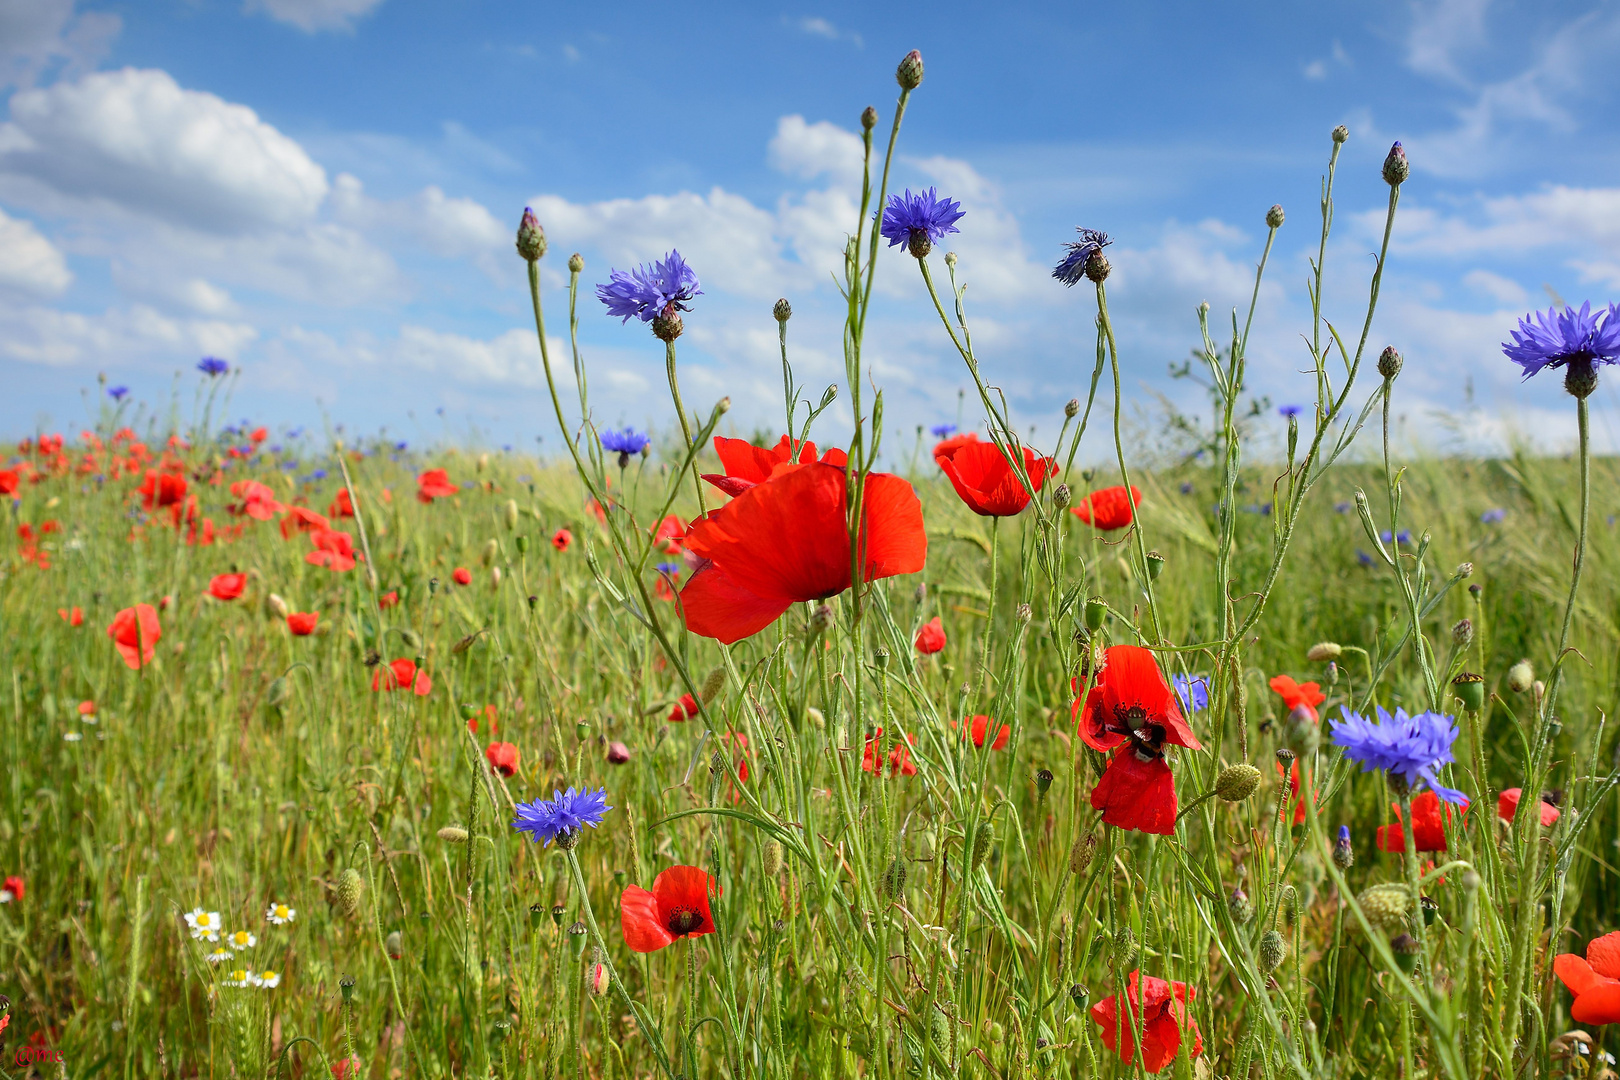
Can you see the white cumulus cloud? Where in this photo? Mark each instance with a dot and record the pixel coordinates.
(311, 16)
(28, 261)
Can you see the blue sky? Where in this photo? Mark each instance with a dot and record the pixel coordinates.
(324, 193)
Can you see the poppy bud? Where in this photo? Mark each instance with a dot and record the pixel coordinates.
(1043, 781)
(412, 640)
(1389, 362)
(910, 72)
(814, 715)
(453, 834)
(1274, 216)
(1470, 690)
(1072, 408)
(1385, 906)
(1521, 677)
(1340, 134)
(713, 683)
(1155, 565)
(782, 310)
(1344, 856)
(1061, 496)
(576, 263)
(509, 513)
(1080, 855)
(1324, 650)
(1430, 908)
(275, 607)
(490, 550)
(394, 945)
(771, 859)
(1096, 611)
(868, 118)
(531, 238)
(894, 880)
(1396, 170)
(349, 890)
(1406, 951)
(596, 978)
(483, 462)
(346, 984)
(1273, 951)
(1462, 633)
(617, 753)
(1239, 907)
(495, 576)
(981, 843)
(1237, 782)
(522, 545)
(1122, 949)
(279, 693)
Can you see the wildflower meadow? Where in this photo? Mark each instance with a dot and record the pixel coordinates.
(697, 752)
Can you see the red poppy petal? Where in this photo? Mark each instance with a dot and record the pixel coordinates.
(1599, 1005)
(731, 485)
(1604, 955)
(745, 461)
(638, 916)
(1575, 973)
(1161, 1037)
(717, 607)
(1136, 794)
(785, 540)
(896, 542)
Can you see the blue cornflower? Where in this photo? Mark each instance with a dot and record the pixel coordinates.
(673, 569)
(626, 442)
(1342, 507)
(523, 478)
(1073, 266)
(318, 474)
(1404, 536)
(1288, 411)
(1413, 747)
(274, 448)
(117, 392)
(662, 288)
(212, 366)
(1186, 487)
(942, 431)
(289, 465)
(1575, 340)
(918, 219)
(402, 446)
(561, 817)
(1492, 516)
(1363, 558)
(1193, 693)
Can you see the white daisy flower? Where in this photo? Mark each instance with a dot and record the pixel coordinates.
(242, 940)
(220, 955)
(269, 979)
(71, 736)
(281, 914)
(241, 977)
(6, 897)
(204, 924)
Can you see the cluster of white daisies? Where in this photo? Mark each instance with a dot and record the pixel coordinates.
(206, 926)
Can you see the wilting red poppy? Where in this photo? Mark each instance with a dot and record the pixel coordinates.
(162, 489)
(302, 519)
(683, 710)
(1428, 825)
(1131, 701)
(14, 886)
(434, 484)
(900, 763)
(677, 907)
(984, 480)
(462, 576)
(980, 727)
(1108, 509)
(1507, 805)
(302, 623)
(1160, 1008)
(1137, 791)
(73, 617)
(561, 539)
(503, 757)
(786, 540)
(341, 505)
(617, 753)
(1295, 695)
(227, 586)
(257, 500)
(931, 637)
(1595, 981)
(402, 674)
(333, 550)
(670, 534)
(135, 631)
(746, 464)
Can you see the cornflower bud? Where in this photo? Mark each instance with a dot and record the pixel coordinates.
(868, 118)
(1521, 677)
(1344, 856)
(910, 72)
(576, 263)
(1396, 170)
(1389, 362)
(1061, 496)
(950, 259)
(1023, 613)
(1274, 216)
(1072, 408)
(1470, 690)
(1340, 134)
(782, 310)
(531, 238)
(1324, 650)
(1462, 633)
(1464, 570)
(1237, 782)
(1239, 907)
(1273, 951)
(821, 619)
(1332, 672)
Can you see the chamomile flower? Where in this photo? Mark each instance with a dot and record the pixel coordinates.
(71, 736)
(204, 924)
(269, 979)
(281, 914)
(241, 977)
(220, 955)
(242, 939)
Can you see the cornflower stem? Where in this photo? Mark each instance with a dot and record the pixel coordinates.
(1141, 567)
(1414, 883)
(680, 412)
(1392, 486)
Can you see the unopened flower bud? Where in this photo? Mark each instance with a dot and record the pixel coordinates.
(1389, 362)
(1470, 690)
(814, 715)
(713, 683)
(596, 977)
(771, 859)
(1080, 855)
(522, 543)
(1061, 496)
(1096, 611)
(1396, 170)
(1273, 951)
(349, 890)
(1462, 633)
(910, 72)
(1237, 782)
(1072, 408)
(1239, 907)
(1344, 855)
(950, 260)
(1464, 570)
(1521, 677)
(531, 238)
(821, 619)
(1122, 949)
(509, 514)
(279, 694)
(491, 549)
(1340, 134)
(1323, 651)
(782, 310)
(275, 606)
(453, 834)
(394, 945)
(1332, 672)
(1023, 613)
(869, 118)
(1274, 216)
(576, 263)
(617, 753)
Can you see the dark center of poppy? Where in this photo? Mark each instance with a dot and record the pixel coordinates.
(683, 921)
(1132, 722)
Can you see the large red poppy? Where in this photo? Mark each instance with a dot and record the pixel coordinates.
(746, 464)
(1429, 820)
(302, 623)
(1595, 981)
(402, 674)
(434, 484)
(1137, 791)
(257, 500)
(1507, 806)
(333, 550)
(677, 907)
(986, 481)
(503, 757)
(900, 763)
(1131, 701)
(1160, 1008)
(786, 540)
(9, 481)
(1109, 509)
(931, 638)
(302, 519)
(1295, 695)
(979, 726)
(135, 631)
(227, 586)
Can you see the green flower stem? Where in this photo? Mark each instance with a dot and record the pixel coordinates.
(680, 413)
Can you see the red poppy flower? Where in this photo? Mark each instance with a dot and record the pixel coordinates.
(1295, 695)
(1507, 805)
(258, 435)
(1137, 791)
(341, 506)
(946, 447)
(786, 540)
(900, 763)
(981, 727)
(1595, 981)
(1160, 1008)
(14, 886)
(302, 623)
(1429, 823)
(302, 519)
(388, 599)
(503, 757)
(201, 533)
(402, 674)
(162, 489)
(677, 907)
(1131, 701)
(462, 576)
(9, 482)
(434, 484)
(227, 586)
(747, 464)
(1108, 509)
(931, 638)
(348, 1068)
(135, 631)
(561, 539)
(87, 708)
(669, 537)
(73, 617)
(984, 479)
(333, 550)
(489, 714)
(257, 500)
(683, 710)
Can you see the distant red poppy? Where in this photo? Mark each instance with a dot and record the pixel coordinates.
(1507, 805)
(786, 540)
(1160, 1009)
(1109, 509)
(980, 727)
(257, 500)
(746, 464)
(931, 638)
(73, 617)
(677, 907)
(683, 710)
(987, 483)
(561, 539)
(87, 708)
(490, 715)
(9, 482)
(402, 674)
(1429, 822)
(503, 757)
(669, 535)
(14, 886)
(1595, 981)
(341, 506)
(227, 586)
(900, 763)
(1293, 792)
(258, 435)
(1131, 701)
(388, 599)
(349, 1068)
(302, 519)
(333, 550)
(1295, 695)
(302, 623)
(161, 489)
(462, 576)
(135, 631)
(434, 484)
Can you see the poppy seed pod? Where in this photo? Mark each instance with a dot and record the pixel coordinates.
(522, 543)
(1079, 995)
(351, 886)
(782, 310)
(1080, 855)
(1385, 906)
(1273, 951)
(576, 933)
(910, 72)
(1389, 362)
(869, 118)
(453, 834)
(531, 238)
(1237, 782)
(1274, 216)
(346, 984)
(1155, 565)
(1405, 948)
(1521, 677)
(1341, 134)
(1323, 651)
(1043, 781)
(1430, 908)
(1470, 690)
(1238, 906)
